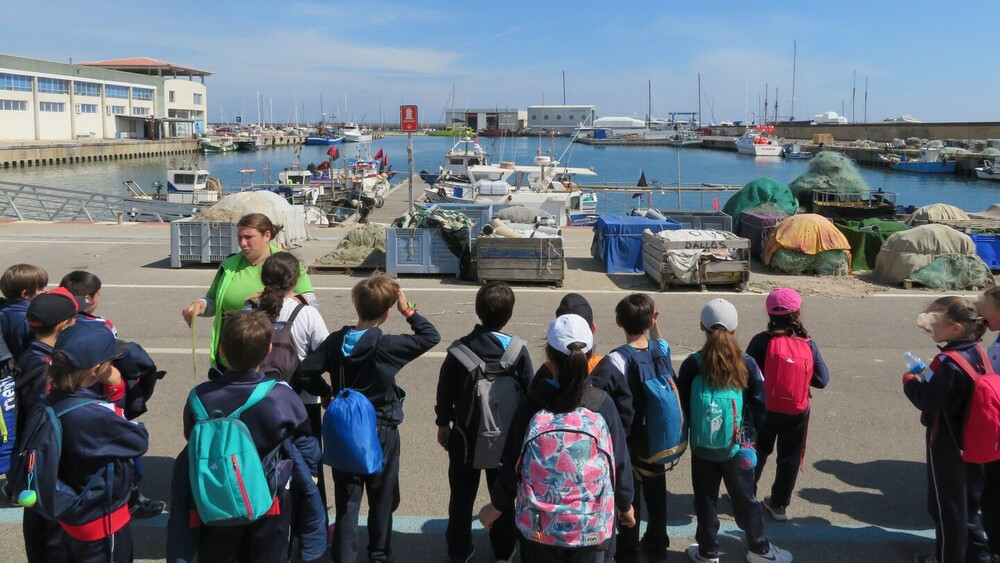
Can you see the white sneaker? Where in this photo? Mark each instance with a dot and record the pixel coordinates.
(774, 554)
(693, 555)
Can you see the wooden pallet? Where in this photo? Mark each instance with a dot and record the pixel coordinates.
(520, 260)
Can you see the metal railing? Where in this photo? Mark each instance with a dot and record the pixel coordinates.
(644, 194)
(27, 201)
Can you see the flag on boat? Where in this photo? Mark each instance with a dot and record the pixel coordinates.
(378, 155)
(384, 164)
(642, 180)
(332, 152)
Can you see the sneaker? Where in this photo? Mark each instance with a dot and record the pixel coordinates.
(922, 558)
(141, 506)
(464, 558)
(774, 554)
(693, 555)
(656, 554)
(777, 511)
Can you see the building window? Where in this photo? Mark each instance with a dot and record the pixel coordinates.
(116, 110)
(112, 91)
(140, 111)
(142, 94)
(53, 86)
(170, 96)
(558, 117)
(534, 117)
(545, 117)
(87, 108)
(86, 89)
(13, 105)
(571, 117)
(51, 106)
(197, 99)
(15, 82)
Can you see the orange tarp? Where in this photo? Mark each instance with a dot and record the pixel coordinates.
(807, 233)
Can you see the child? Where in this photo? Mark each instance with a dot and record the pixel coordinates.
(784, 308)
(721, 369)
(278, 418)
(48, 315)
(988, 306)
(19, 284)
(942, 394)
(94, 436)
(568, 340)
(86, 284)
(363, 358)
(458, 421)
(636, 314)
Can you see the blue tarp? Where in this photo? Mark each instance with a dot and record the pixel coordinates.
(618, 241)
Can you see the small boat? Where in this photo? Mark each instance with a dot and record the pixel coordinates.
(192, 186)
(322, 140)
(757, 142)
(353, 133)
(835, 205)
(685, 138)
(217, 145)
(795, 152)
(453, 131)
(931, 161)
(988, 171)
(248, 144)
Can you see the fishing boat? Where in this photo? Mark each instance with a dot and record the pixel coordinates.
(931, 161)
(353, 133)
(323, 139)
(248, 144)
(685, 138)
(758, 142)
(795, 152)
(453, 131)
(855, 206)
(216, 145)
(464, 154)
(189, 186)
(988, 171)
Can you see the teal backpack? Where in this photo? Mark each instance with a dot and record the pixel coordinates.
(716, 419)
(228, 481)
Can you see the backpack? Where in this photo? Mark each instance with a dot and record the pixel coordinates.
(566, 494)
(34, 472)
(494, 395)
(788, 370)
(228, 482)
(981, 435)
(8, 422)
(282, 361)
(140, 375)
(350, 433)
(716, 419)
(658, 403)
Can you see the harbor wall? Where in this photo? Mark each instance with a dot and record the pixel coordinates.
(881, 132)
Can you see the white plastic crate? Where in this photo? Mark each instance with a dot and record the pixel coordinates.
(418, 251)
(203, 242)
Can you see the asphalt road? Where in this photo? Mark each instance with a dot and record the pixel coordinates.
(861, 495)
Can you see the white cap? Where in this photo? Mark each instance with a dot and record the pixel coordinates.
(567, 329)
(719, 312)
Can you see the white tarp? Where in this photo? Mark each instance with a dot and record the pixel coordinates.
(290, 217)
(684, 263)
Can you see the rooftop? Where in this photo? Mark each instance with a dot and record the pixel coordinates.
(148, 66)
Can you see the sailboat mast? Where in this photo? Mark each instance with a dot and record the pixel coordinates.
(775, 105)
(649, 102)
(795, 51)
(699, 99)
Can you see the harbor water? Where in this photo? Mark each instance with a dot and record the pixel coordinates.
(613, 164)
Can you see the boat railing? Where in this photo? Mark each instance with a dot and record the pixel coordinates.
(133, 189)
(645, 193)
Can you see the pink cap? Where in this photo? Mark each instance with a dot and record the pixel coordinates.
(782, 301)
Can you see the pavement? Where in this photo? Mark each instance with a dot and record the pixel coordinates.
(861, 495)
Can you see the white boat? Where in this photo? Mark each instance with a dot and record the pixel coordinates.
(757, 142)
(684, 138)
(188, 185)
(544, 185)
(462, 156)
(622, 127)
(353, 133)
(988, 171)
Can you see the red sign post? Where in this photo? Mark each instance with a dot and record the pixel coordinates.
(408, 118)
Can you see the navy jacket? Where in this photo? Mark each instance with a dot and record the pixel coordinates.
(754, 396)
(93, 437)
(540, 397)
(31, 384)
(17, 335)
(947, 392)
(454, 390)
(757, 349)
(372, 366)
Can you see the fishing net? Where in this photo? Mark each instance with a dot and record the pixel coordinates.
(808, 234)
(954, 272)
(233, 207)
(907, 253)
(757, 193)
(826, 263)
(358, 245)
(935, 213)
(831, 172)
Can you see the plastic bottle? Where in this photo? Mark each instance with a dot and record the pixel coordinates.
(914, 364)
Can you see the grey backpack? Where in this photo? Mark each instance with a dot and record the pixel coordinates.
(495, 396)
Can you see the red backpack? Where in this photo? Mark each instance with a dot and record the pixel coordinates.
(788, 370)
(981, 436)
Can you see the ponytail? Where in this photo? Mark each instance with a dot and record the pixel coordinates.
(722, 363)
(279, 274)
(787, 324)
(571, 372)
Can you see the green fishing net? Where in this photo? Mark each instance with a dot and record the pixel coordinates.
(358, 245)
(953, 272)
(831, 172)
(826, 263)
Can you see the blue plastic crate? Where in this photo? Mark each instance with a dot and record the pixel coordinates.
(418, 251)
(988, 248)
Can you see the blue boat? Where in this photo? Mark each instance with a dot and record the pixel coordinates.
(931, 161)
(317, 140)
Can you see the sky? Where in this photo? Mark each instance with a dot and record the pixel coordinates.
(361, 60)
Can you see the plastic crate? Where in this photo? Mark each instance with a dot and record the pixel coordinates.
(700, 220)
(988, 248)
(418, 251)
(757, 226)
(480, 213)
(203, 242)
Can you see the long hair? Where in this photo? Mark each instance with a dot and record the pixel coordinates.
(961, 311)
(787, 324)
(722, 363)
(280, 274)
(66, 377)
(571, 372)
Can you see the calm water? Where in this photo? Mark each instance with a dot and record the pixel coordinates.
(620, 165)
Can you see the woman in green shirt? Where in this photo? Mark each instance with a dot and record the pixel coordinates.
(238, 277)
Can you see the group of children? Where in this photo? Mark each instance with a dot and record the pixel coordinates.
(565, 448)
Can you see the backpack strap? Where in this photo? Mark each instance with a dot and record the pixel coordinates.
(295, 313)
(465, 356)
(197, 408)
(27, 377)
(76, 405)
(512, 352)
(593, 398)
(257, 396)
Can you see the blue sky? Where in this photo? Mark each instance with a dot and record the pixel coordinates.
(936, 61)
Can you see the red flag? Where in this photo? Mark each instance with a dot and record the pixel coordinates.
(385, 163)
(378, 155)
(332, 152)
(715, 203)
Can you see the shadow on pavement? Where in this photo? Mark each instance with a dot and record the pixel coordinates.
(897, 498)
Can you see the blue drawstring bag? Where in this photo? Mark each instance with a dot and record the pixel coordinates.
(350, 439)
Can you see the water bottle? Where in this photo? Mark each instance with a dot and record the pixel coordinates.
(914, 364)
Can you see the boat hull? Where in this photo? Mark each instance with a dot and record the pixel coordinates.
(758, 149)
(925, 167)
(322, 140)
(988, 175)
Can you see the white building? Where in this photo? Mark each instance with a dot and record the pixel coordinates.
(559, 119)
(505, 120)
(127, 98)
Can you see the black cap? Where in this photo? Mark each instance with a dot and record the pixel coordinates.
(576, 304)
(53, 307)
